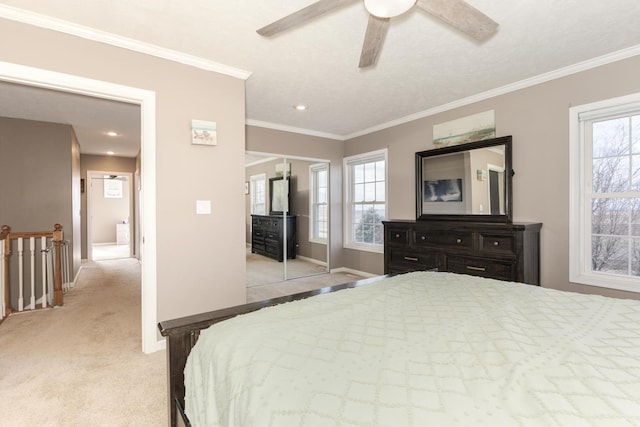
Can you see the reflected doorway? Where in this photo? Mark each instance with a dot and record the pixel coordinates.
(287, 218)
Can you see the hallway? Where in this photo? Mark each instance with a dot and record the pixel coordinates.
(82, 364)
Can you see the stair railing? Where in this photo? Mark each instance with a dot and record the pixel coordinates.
(51, 290)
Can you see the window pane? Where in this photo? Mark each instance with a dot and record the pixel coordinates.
(635, 134)
(358, 174)
(611, 137)
(635, 260)
(610, 175)
(322, 178)
(610, 254)
(635, 172)
(369, 172)
(358, 193)
(380, 192)
(635, 217)
(370, 192)
(610, 216)
(380, 170)
(322, 195)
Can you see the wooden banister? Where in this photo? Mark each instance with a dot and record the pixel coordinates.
(56, 238)
(4, 236)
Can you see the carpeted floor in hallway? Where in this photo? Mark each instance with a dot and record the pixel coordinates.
(82, 364)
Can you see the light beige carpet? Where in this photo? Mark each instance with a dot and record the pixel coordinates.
(82, 364)
(262, 270)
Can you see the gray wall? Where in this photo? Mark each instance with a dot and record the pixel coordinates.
(39, 165)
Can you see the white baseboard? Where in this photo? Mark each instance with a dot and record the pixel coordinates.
(312, 260)
(352, 271)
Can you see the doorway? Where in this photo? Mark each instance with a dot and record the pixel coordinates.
(37, 77)
(109, 215)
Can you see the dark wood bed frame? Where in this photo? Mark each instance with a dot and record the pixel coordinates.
(182, 334)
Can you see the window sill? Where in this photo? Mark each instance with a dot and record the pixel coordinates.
(366, 248)
(318, 241)
(608, 281)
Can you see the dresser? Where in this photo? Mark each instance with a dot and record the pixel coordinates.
(267, 236)
(504, 251)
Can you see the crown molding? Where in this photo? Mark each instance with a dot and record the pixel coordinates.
(43, 21)
(292, 129)
(522, 84)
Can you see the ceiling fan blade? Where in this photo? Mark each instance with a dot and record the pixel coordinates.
(305, 14)
(373, 39)
(461, 15)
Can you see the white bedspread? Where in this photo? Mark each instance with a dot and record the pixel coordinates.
(423, 349)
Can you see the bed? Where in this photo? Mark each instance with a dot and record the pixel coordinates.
(422, 348)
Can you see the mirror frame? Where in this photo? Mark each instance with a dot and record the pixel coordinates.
(508, 196)
(280, 185)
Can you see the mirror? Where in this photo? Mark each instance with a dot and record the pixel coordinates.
(285, 197)
(465, 182)
(279, 190)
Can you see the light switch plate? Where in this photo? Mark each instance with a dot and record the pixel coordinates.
(203, 207)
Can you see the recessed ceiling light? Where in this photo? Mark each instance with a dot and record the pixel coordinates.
(112, 133)
(111, 153)
(300, 107)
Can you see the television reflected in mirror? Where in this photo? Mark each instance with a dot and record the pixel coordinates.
(469, 182)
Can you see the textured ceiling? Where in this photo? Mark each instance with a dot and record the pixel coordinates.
(424, 64)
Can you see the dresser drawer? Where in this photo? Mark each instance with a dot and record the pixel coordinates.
(481, 267)
(459, 239)
(408, 261)
(397, 236)
(273, 235)
(497, 243)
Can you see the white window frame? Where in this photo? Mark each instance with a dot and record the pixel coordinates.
(313, 197)
(580, 186)
(252, 192)
(348, 163)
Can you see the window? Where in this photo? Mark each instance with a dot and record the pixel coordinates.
(112, 187)
(258, 194)
(319, 202)
(605, 194)
(365, 200)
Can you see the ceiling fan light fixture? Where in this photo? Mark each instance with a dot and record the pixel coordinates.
(388, 8)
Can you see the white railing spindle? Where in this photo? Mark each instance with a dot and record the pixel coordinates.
(32, 259)
(20, 274)
(43, 247)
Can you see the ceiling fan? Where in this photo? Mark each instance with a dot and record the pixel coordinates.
(457, 13)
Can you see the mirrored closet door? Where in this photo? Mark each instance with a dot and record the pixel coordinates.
(287, 218)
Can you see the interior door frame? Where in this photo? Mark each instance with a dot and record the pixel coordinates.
(146, 99)
(132, 214)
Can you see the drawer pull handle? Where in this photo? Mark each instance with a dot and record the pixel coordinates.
(469, 267)
(423, 237)
(410, 258)
(458, 240)
(397, 236)
(496, 243)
